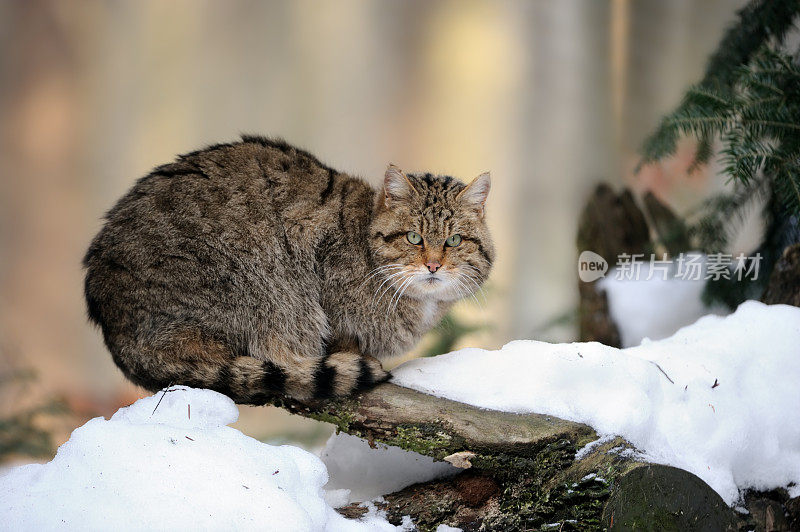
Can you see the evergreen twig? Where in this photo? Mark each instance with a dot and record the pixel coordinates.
(748, 100)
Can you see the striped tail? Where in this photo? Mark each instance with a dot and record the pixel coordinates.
(248, 380)
(245, 379)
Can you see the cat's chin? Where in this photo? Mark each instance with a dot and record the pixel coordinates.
(434, 288)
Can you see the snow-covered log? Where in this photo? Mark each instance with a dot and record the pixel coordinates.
(521, 471)
(684, 430)
(701, 420)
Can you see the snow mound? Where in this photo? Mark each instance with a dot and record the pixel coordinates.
(173, 465)
(655, 308)
(366, 473)
(720, 398)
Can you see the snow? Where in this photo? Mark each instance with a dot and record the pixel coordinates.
(655, 308)
(376, 515)
(173, 465)
(369, 473)
(589, 447)
(719, 398)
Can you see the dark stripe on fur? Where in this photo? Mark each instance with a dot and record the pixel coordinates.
(222, 384)
(273, 383)
(473, 265)
(481, 250)
(274, 377)
(280, 144)
(286, 244)
(324, 378)
(92, 305)
(343, 197)
(328, 188)
(322, 251)
(241, 349)
(391, 237)
(179, 169)
(365, 378)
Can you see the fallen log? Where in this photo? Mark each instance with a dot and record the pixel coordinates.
(520, 470)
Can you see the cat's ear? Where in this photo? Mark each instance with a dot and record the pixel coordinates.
(396, 186)
(475, 194)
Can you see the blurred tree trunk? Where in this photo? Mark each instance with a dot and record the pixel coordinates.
(784, 283)
(611, 224)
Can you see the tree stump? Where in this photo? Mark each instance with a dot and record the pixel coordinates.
(611, 224)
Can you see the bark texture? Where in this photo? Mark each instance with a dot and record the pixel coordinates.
(611, 224)
(784, 282)
(520, 471)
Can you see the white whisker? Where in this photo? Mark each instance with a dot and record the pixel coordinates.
(474, 278)
(466, 289)
(466, 276)
(388, 278)
(378, 271)
(398, 294)
(397, 277)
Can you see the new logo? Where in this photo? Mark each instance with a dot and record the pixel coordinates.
(591, 266)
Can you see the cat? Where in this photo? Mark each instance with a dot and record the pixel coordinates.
(253, 269)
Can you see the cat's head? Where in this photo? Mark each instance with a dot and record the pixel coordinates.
(429, 236)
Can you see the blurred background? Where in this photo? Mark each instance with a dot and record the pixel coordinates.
(551, 96)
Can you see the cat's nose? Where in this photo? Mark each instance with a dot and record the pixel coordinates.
(433, 266)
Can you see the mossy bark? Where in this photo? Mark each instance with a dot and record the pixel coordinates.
(520, 471)
(663, 498)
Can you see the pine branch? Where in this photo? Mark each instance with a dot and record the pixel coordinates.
(758, 23)
(721, 214)
(749, 99)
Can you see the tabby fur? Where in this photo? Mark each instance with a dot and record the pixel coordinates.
(253, 269)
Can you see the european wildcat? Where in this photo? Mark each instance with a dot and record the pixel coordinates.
(253, 269)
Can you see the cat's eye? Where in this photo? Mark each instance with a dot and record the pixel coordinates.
(414, 238)
(453, 241)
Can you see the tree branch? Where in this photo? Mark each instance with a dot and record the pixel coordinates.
(439, 427)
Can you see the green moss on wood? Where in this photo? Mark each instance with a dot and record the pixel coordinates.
(531, 502)
(342, 419)
(429, 440)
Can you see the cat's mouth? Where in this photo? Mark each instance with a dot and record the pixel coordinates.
(437, 285)
(446, 284)
(431, 284)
